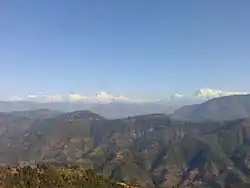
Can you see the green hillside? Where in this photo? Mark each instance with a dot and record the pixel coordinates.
(149, 150)
(45, 176)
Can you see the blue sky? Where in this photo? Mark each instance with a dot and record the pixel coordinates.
(134, 47)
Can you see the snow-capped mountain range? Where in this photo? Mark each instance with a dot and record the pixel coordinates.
(207, 93)
(104, 97)
(109, 105)
(200, 95)
(100, 97)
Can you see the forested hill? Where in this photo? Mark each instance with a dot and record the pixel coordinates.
(47, 176)
(149, 150)
(217, 109)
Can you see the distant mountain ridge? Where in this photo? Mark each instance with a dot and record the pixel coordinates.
(112, 106)
(106, 97)
(108, 110)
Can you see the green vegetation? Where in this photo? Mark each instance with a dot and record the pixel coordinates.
(149, 150)
(44, 176)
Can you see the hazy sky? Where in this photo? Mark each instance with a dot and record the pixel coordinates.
(131, 47)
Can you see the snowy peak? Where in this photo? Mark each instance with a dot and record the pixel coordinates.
(199, 96)
(105, 97)
(207, 93)
(177, 96)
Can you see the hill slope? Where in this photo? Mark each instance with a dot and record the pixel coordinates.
(150, 150)
(217, 109)
(111, 110)
(51, 176)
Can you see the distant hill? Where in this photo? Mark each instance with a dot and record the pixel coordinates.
(35, 114)
(217, 109)
(111, 110)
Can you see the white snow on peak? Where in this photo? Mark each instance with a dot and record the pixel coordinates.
(15, 98)
(207, 93)
(52, 98)
(173, 97)
(177, 96)
(31, 96)
(107, 97)
(100, 97)
(199, 96)
(77, 97)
